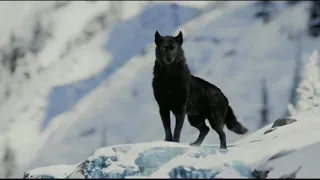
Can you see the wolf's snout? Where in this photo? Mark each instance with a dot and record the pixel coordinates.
(168, 61)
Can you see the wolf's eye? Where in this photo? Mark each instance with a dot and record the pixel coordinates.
(164, 48)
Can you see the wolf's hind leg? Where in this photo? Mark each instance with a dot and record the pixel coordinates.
(198, 122)
(216, 123)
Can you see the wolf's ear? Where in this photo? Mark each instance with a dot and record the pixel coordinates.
(179, 38)
(157, 38)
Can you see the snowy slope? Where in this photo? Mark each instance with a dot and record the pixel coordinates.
(23, 111)
(124, 103)
(247, 159)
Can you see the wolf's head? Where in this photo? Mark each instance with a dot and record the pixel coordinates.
(168, 48)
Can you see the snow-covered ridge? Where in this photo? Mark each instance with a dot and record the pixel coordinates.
(248, 159)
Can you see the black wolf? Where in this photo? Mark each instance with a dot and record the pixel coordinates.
(176, 90)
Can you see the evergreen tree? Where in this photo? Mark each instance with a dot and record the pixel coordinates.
(309, 87)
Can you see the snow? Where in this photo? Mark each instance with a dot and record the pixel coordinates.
(80, 83)
(31, 109)
(57, 96)
(56, 171)
(69, 59)
(121, 51)
(250, 156)
(123, 101)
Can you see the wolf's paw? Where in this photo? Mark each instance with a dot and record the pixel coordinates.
(223, 150)
(168, 139)
(194, 144)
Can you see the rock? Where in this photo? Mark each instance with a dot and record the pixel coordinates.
(283, 121)
(280, 122)
(261, 174)
(270, 130)
(182, 172)
(291, 175)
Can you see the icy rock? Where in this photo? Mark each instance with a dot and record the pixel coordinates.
(233, 169)
(106, 167)
(261, 174)
(201, 152)
(283, 121)
(182, 172)
(150, 160)
(243, 169)
(280, 122)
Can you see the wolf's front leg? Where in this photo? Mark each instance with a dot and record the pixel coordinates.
(179, 124)
(165, 117)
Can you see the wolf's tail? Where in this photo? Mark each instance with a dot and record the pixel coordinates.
(233, 124)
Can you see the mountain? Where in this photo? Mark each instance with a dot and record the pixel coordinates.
(90, 76)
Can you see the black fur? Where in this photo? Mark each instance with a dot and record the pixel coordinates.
(176, 90)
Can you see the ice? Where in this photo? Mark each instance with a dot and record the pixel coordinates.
(105, 167)
(153, 158)
(243, 169)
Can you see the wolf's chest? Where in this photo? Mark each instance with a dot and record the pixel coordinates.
(171, 84)
(170, 89)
